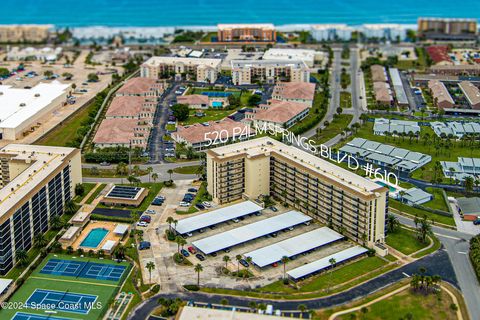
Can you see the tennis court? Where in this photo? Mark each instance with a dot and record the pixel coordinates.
(82, 269)
(61, 301)
(29, 316)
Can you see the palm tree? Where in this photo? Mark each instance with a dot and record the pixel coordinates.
(238, 257)
(180, 242)
(56, 223)
(285, 259)
(70, 207)
(120, 251)
(39, 240)
(155, 177)
(21, 256)
(149, 170)
(198, 268)
(170, 172)
(332, 262)
(302, 307)
(249, 260)
(150, 266)
(468, 184)
(392, 223)
(252, 305)
(226, 259)
(170, 221)
(122, 169)
(224, 302)
(424, 229)
(56, 246)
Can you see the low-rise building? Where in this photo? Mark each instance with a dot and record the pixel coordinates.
(441, 97)
(395, 127)
(278, 114)
(472, 94)
(42, 54)
(331, 32)
(33, 33)
(378, 73)
(261, 32)
(248, 71)
(199, 313)
(463, 168)
(202, 136)
(142, 87)
(301, 92)
(383, 94)
(397, 83)
(439, 55)
(396, 32)
(23, 110)
(456, 129)
(198, 69)
(456, 70)
(36, 182)
(415, 196)
(283, 54)
(201, 101)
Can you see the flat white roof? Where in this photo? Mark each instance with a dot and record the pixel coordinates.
(216, 216)
(70, 233)
(323, 263)
(121, 229)
(109, 245)
(18, 105)
(4, 283)
(249, 232)
(293, 246)
(199, 313)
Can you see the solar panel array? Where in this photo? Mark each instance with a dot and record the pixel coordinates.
(124, 192)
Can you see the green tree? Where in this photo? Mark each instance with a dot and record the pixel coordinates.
(70, 207)
(180, 111)
(4, 72)
(155, 177)
(392, 223)
(92, 77)
(226, 259)
(238, 257)
(39, 240)
(332, 262)
(468, 183)
(170, 172)
(79, 189)
(254, 100)
(21, 256)
(150, 267)
(198, 268)
(67, 75)
(149, 170)
(48, 74)
(424, 229)
(285, 259)
(56, 223)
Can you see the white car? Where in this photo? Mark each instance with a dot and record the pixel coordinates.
(142, 224)
(236, 220)
(206, 204)
(150, 211)
(184, 204)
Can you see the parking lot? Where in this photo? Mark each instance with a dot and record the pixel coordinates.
(84, 90)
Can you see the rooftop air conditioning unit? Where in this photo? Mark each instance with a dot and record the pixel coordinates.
(37, 95)
(23, 104)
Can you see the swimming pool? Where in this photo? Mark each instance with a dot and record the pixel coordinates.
(392, 189)
(217, 104)
(94, 237)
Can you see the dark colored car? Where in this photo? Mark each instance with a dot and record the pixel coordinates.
(146, 219)
(200, 257)
(144, 245)
(192, 190)
(244, 263)
(200, 206)
(273, 209)
(157, 202)
(184, 253)
(213, 254)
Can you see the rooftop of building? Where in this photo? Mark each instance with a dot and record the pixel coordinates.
(295, 90)
(273, 63)
(124, 106)
(196, 133)
(266, 145)
(193, 99)
(439, 91)
(155, 61)
(115, 130)
(139, 86)
(290, 54)
(331, 26)
(42, 162)
(439, 54)
(18, 104)
(469, 205)
(471, 92)
(279, 111)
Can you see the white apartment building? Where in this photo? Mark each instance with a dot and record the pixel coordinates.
(330, 32)
(197, 69)
(271, 71)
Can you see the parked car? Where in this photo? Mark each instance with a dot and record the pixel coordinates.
(200, 257)
(226, 250)
(235, 220)
(150, 211)
(143, 245)
(244, 263)
(104, 164)
(160, 198)
(192, 190)
(206, 204)
(184, 253)
(184, 204)
(200, 206)
(157, 202)
(192, 250)
(213, 254)
(201, 230)
(275, 264)
(273, 209)
(142, 224)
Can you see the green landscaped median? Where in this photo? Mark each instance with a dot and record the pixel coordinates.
(105, 290)
(342, 278)
(419, 212)
(338, 125)
(95, 193)
(405, 241)
(187, 170)
(210, 115)
(87, 187)
(407, 305)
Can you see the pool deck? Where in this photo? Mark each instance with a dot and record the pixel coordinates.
(110, 226)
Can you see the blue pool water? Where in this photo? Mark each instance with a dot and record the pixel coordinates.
(94, 237)
(392, 189)
(210, 12)
(217, 104)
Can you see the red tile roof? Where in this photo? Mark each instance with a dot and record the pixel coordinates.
(125, 106)
(193, 99)
(279, 111)
(115, 131)
(294, 90)
(438, 54)
(139, 86)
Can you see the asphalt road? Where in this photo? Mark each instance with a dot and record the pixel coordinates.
(455, 244)
(436, 263)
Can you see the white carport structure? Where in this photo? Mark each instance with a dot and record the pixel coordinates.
(324, 263)
(216, 216)
(249, 232)
(291, 247)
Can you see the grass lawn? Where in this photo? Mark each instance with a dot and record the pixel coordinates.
(186, 170)
(405, 241)
(107, 173)
(345, 100)
(67, 130)
(87, 188)
(170, 127)
(103, 289)
(200, 90)
(95, 193)
(408, 305)
(210, 115)
(339, 123)
(208, 37)
(438, 201)
(419, 212)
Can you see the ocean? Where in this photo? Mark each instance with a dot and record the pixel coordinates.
(83, 13)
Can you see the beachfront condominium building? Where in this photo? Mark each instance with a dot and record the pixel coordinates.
(264, 32)
(447, 28)
(35, 184)
(31, 33)
(335, 196)
(271, 71)
(196, 69)
(331, 32)
(384, 31)
(23, 110)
